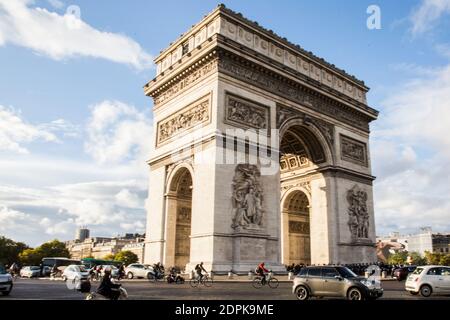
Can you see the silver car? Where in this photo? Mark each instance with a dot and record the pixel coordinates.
(428, 280)
(6, 282)
(137, 270)
(334, 281)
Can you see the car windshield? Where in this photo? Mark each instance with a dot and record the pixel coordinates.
(2, 270)
(418, 271)
(346, 273)
(81, 268)
(35, 268)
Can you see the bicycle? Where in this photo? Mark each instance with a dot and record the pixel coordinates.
(205, 280)
(272, 282)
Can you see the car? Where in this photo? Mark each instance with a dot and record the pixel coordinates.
(334, 281)
(6, 282)
(428, 280)
(137, 270)
(75, 272)
(402, 273)
(30, 272)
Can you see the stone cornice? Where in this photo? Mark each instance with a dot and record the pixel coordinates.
(213, 23)
(296, 87)
(254, 74)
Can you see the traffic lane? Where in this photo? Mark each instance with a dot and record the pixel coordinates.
(145, 290)
(37, 289)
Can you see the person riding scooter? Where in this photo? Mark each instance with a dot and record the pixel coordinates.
(107, 288)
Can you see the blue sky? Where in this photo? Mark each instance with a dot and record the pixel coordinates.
(75, 125)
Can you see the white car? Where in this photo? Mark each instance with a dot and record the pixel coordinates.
(137, 270)
(114, 270)
(75, 272)
(6, 282)
(428, 280)
(30, 272)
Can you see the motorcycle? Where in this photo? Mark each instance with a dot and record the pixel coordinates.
(123, 294)
(175, 278)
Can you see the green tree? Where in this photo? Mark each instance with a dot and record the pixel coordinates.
(445, 260)
(432, 258)
(29, 257)
(417, 259)
(109, 257)
(10, 250)
(54, 248)
(127, 257)
(398, 258)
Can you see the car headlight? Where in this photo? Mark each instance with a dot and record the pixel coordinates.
(368, 283)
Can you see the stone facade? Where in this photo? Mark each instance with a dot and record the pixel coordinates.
(100, 247)
(227, 73)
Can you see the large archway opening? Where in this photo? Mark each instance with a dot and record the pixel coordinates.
(179, 207)
(301, 155)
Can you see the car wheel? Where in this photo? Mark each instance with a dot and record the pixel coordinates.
(64, 278)
(301, 292)
(354, 294)
(425, 291)
(150, 276)
(413, 293)
(130, 275)
(6, 293)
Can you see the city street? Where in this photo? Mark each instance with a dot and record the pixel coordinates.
(223, 290)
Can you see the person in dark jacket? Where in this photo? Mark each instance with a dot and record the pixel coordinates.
(107, 288)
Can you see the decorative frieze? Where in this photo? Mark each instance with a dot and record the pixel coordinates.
(266, 80)
(246, 113)
(353, 150)
(299, 227)
(185, 119)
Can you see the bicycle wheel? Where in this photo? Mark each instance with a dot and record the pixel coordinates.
(257, 283)
(207, 281)
(273, 283)
(193, 283)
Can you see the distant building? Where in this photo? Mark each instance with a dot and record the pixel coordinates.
(423, 241)
(426, 240)
(81, 234)
(100, 247)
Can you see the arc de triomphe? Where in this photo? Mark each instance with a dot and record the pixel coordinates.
(231, 99)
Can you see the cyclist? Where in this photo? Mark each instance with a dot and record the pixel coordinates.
(199, 268)
(262, 271)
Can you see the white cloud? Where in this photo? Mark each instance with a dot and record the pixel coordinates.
(128, 199)
(65, 36)
(118, 132)
(411, 152)
(14, 131)
(427, 14)
(10, 218)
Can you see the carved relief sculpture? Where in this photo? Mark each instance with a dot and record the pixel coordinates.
(353, 150)
(247, 197)
(358, 221)
(246, 113)
(187, 118)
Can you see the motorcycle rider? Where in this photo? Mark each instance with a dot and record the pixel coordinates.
(107, 288)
